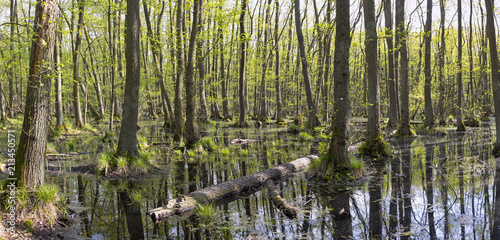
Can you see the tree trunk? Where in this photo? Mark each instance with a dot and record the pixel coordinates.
(179, 121)
(13, 13)
(404, 124)
(393, 91)
(263, 85)
(191, 134)
(223, 79)
(127, 143)
(338, 157)
(313, 118)
(30, 154)
(203, 113)
(154, 39)
(241, 81)
(460, 123)
(185, 204)
(58, 84)
(442, 48)
(112, 32)
(495, 76)
(374, 144)
(279, 111)
(429, 113)
(76, 67)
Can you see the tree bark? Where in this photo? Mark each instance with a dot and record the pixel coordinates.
(127, 143)
(203, 113)
(442, 49)
(76, 67)
(179, 121)
(460, 122)
(191, 134)
(404, 124)
(429, 113)
(372, 71)
(393, 92)
(241, 81)
(58, 84)
(338, 157)
(495, 76)
(313, 118)
(223, 79)
(279, 110)
(154, 39)
(30, 154)
(184, 204)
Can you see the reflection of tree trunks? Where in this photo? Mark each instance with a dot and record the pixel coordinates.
(375, 218)
(444, 189)
(429, 156)
(133, 216)
(307, 215)
(395, 196)
(84, 215)
(460, 154)
(341, 212)
(406, 178)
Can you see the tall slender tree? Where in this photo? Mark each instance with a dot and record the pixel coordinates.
(76, 66)
(393, 91)
(429, 113)
(279, 111)
(127, 142)
(58, 84)
(191, 135)
(404, 92)
(243, 56)
(313, 118)
(442, 49)
(179, 79)
(460, 122)
(495, 75)
(30, 154)
(338, 157)
(374, 145)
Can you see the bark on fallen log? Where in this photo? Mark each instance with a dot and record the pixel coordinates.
(185, 204)
(280, 203)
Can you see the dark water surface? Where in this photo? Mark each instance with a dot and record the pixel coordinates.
(433, 188)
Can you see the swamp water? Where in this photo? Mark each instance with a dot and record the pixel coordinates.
(433, 188)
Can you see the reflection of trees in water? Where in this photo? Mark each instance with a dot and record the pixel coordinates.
(429, 189)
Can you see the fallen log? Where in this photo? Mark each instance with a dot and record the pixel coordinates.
(279, 202)
(184, 204)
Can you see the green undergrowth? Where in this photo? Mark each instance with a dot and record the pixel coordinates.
(322, 170)
(109, 163)
(39, 208)
(435, 131)
(375, 147)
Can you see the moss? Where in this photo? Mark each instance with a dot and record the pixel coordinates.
(293, 128)
(460, 126)
(404, 133)
(375, 147)
(434, 131)
(305, 137)
(472, 121)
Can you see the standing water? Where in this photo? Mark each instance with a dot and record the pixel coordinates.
(432, 188)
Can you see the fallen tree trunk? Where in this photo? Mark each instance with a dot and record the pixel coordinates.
(279, 202)
(185, 204)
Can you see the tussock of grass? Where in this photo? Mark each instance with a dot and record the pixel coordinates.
(39, 208)
(108, 162)
(375, 147)
(305, 137)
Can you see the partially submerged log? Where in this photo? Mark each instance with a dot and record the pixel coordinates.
(240, 141)
(184, 204)
(280, 203)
